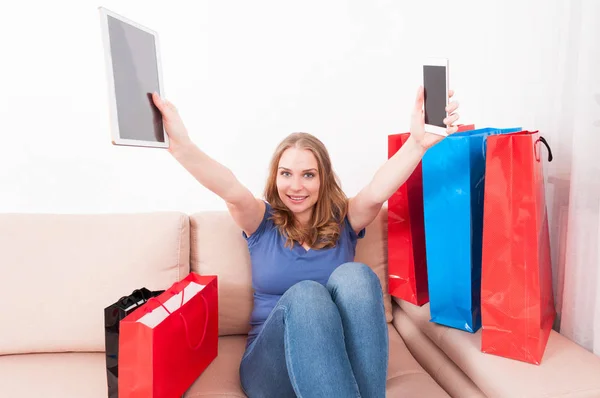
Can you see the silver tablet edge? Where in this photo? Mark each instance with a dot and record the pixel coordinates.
(114, 121)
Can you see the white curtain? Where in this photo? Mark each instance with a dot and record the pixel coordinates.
(573, 184)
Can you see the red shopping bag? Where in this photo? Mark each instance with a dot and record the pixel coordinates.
(168, 342)
(407, 263)
(517, 304)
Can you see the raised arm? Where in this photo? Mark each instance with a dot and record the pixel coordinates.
(246, 210)
(364, 207)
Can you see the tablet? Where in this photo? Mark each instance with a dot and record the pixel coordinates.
(133, 70)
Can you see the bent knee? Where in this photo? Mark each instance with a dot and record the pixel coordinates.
(354, 274)
(309, 298)
(306, 288)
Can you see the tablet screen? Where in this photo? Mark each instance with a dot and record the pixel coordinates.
(135, 71)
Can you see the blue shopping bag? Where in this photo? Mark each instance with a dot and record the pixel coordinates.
(453, 191)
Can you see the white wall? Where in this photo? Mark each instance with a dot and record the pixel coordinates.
(244, 74)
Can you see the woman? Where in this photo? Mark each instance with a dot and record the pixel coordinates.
(318, 326)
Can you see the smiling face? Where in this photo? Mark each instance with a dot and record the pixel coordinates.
(298, 181)
(307, 201)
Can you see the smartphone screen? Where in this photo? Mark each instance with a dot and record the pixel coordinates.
(434, 82)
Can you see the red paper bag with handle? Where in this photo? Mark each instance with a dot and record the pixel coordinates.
(168, 342)
(407, 263)
(517, 304)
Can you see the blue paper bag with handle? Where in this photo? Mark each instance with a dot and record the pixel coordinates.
(453, 191)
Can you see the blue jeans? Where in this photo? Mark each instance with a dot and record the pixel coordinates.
(322, 341)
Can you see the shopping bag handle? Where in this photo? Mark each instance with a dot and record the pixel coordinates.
(540, 139)
(185, 324)
(124, 299)
(543, 141)
(187, 330)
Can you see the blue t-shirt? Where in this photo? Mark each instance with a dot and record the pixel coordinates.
(276, 268)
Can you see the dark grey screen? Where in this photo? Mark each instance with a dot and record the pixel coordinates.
(135, 73)
(434, 78)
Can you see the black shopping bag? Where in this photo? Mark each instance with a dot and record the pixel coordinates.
(113, 314)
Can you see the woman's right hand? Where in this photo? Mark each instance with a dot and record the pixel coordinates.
(178, 135)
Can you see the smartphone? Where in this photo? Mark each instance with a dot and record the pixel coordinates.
(435, 84)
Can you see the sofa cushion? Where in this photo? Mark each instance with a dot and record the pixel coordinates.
(372, 250)
(433, 360)
(218, 248)
(414, 385)
(567, 369)
(221, 378)
(60, 375)
(59, 272)
(406, 378)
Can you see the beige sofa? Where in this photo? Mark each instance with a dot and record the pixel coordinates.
(58, 272)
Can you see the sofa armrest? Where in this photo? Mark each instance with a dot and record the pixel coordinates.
(567, 370)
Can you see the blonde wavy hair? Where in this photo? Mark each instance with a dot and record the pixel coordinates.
(330, 209)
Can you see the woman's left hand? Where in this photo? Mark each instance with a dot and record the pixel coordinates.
(417, 127)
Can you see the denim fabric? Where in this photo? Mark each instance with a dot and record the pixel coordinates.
(322, 341)
(276, 268)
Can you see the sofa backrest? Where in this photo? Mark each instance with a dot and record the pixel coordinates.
(59, 272)
(218, 248)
